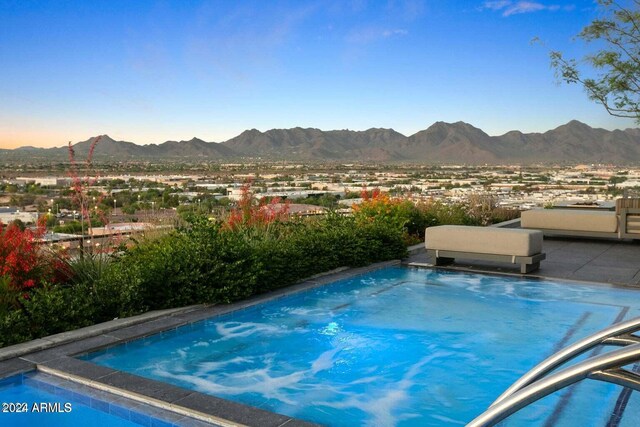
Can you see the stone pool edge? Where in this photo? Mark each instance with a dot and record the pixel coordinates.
(54, 355)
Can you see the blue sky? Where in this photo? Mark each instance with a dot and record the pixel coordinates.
(151, 71)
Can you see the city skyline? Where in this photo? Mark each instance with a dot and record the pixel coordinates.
(152, 71)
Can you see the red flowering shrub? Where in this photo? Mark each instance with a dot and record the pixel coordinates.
(24, 263)
(251, 214)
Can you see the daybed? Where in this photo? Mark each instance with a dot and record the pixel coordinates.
(516, 246)
(624, 223)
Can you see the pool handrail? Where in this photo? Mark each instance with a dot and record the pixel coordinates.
(605, 367)
(618, 334)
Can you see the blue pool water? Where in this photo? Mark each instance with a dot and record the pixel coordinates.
(396, 347)
(42, 400)
(35, 400)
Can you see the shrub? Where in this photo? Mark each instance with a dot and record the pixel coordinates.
(117, 292)
(204, 262)
(9, 296)
(14, 328)
(379, 207)
(225, 261)
(76, 227)
(165, 271)
(255, 214)
(22, 263)
(403, 215)
(306, 249)
(485, 211)
(111, 287)
(25, 264)
(209, 263)
(88, 269)
(47, 310)
(59, 308)
(395, 213)
(478, 210)
(312, 247)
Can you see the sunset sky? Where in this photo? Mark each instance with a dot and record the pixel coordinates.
(151, 71)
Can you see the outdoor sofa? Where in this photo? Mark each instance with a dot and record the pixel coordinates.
(510, 245)
(623, 223)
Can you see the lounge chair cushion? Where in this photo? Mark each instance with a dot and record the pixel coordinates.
(484, 240)
(571, 220)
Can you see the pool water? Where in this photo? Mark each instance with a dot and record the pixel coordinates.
(37, 400)
(395, 347)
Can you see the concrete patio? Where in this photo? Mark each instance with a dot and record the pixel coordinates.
(593, 260)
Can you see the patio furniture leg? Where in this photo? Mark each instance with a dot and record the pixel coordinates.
(444, 260)
(528, 268)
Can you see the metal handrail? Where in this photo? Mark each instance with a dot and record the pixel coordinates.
(618, 334)
(605, 367)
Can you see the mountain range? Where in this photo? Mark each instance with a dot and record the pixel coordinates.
(441, 143)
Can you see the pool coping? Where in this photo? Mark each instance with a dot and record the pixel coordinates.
(531, 276)
(72, 393)
(55, 355)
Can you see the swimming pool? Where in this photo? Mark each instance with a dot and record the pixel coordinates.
(399, 346)
(43, 400)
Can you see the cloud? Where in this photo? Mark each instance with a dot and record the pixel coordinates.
(407, 10)
(524, 7)
(366, 35)
(391, 33)
(509, 7)
(496, 5)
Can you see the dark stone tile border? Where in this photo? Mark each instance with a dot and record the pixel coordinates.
(79, 368)
(54, 355)
(232, 411)
(90, 331)
(108, 403)
(11, 367)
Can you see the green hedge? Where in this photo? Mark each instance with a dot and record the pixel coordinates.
(205, 263)
(202, 263)
(47, 310)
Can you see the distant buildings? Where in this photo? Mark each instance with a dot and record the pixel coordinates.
(48, 181)
(512, 186)
(9, 214)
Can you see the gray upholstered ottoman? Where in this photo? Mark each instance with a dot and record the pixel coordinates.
(571, 222)
(516, 246)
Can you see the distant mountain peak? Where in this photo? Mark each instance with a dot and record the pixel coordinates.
(248, 132)
(104, 138)
(442, 142)
(28, 148)
(576, 123)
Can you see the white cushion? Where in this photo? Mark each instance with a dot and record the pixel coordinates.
(571, 220)
(484, 240)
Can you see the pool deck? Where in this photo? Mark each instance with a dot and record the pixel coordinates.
(592, 260)
(600, 261)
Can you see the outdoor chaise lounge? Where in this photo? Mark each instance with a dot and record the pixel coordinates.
(624, 223)
(515, 246)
